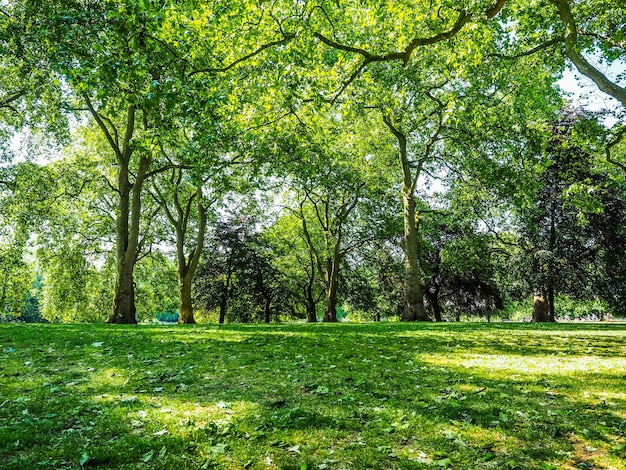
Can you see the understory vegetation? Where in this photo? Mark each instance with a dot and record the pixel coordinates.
(377, 396)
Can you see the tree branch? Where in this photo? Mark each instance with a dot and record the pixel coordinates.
(540, 47)
(619, 136)
(582, 64)
(287, 38)
(112, 142)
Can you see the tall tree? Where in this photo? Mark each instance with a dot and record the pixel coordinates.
(185, 208)
(578, 218)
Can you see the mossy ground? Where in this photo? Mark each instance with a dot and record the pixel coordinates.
(351, 396)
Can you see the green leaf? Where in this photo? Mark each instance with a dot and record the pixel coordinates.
(218, 449)
(148, 456)
(445, 463)
(84, 459)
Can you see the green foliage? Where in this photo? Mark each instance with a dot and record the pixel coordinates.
(190, 98)
(156, 290)
(74, 290)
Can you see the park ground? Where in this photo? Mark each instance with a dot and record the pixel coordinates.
(345, 396)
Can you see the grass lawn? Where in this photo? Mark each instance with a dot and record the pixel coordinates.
(345, 396)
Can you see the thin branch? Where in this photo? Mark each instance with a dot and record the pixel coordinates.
(609, 41)
(534, 50)
(13, 97)
(349, 81)
(172, 166)
(619, 136)
(287, 38)
(112, 142)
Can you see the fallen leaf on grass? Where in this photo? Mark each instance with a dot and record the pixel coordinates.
(148, 456)
(84, 459)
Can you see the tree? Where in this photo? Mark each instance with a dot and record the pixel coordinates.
(296, 264)
(217, 277)
(184, 207)
(461, 264)
(122, 64)
(577, 220)
(336, 182)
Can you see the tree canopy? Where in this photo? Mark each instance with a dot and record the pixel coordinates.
(276, 160)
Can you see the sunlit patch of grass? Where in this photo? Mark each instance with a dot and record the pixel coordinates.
(378, 396)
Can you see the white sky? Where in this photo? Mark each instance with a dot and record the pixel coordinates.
(586, 94)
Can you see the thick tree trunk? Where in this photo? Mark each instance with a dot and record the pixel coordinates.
(124, 301)
(311, 310)
(414, 309)
(124, 310)
(128, 221)
(185, 306)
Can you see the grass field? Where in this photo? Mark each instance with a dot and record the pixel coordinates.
(345, 396)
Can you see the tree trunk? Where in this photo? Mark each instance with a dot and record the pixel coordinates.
(185, 306)
(124, 310)
(267, 309)
(413, 298)
(223, 304)
(124, 301)
(311, 310)
(128, 221)
(414, 309)
(551, 317)
(332, 285)
(187, 265)
(433, 298)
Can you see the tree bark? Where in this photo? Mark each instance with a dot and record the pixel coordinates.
(223, 305)
(267, 311)
(185, 315)
(414, 309)
(332, 282)
(413, 298)
(582, 64)
(311, 310)
(433, 298)
(124, 310)
(129, 210)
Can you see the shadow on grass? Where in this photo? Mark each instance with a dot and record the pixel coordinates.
(331, 396)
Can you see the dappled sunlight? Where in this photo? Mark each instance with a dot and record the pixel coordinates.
(495, 365)
(335, 396)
